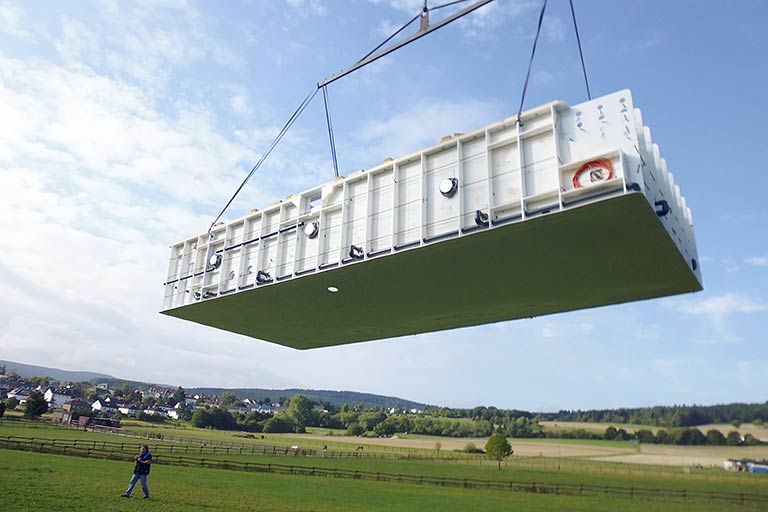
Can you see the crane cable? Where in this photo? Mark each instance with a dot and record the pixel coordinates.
(533, 52)
(530, 62)
(304, 104)
(581, 54)
(330, 132)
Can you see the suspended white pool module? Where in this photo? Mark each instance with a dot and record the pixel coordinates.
(572, 208)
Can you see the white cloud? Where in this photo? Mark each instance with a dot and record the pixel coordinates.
(424, 125)
(565, 329)
(95, 182)
(757, 261)
(719, 308)
(476, 24)
(309, 6)
(143, 41)
(553, 28)
(77, 42)
(11, 20)
(743, 218)
(239, 101)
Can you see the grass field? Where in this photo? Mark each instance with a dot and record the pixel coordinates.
(34, 481)
(41, 482)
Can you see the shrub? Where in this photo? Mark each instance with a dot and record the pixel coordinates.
(471, 448)
(355, 429)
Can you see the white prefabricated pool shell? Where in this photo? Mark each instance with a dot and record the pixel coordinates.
(572, 208)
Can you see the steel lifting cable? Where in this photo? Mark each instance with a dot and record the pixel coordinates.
(330, 132)
(390, 37)
(581, 54)
(425, 9)
(530, 62)
(280, 135)
(370, 57)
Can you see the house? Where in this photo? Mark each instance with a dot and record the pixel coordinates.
(157, 411)
(173, 414)
(76, 403)
(55, 399)
(265, 408)
(128, 410)
(104, 405)
(160, 392)
(20, 394)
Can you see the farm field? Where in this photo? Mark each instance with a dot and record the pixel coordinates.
(688, 455)
(526, 471)
(42, 482)
(611, 451)
(746, 428)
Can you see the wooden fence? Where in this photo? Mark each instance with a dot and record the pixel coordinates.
(107, 450)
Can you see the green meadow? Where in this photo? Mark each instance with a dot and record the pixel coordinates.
(41, 481)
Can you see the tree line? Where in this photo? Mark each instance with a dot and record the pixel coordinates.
(302, 412)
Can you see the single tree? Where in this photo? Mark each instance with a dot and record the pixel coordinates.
(36, 405)
(279, 424)
(301, 411)
(228, 398)
(715, 437)
(354, 429)
(179, 395)
(498, 448)
(2, 409)
(733, 438)
(11, 403)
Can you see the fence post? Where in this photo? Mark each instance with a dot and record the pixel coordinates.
(631, 492)
(581, 489)
(683, 494)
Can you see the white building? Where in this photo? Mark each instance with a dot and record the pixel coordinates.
(103, 406)
(55, 399)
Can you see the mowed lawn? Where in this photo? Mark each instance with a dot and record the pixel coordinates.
(43, 482)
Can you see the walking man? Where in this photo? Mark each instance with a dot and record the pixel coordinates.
(140, 472)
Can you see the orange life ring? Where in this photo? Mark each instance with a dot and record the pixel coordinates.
(596, 170)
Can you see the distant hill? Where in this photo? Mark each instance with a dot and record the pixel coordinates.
(30, 370)
(339, 398)
(335, 397)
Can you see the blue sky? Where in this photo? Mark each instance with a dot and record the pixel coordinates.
(125, 126)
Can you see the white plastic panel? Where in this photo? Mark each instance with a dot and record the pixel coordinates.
(506, 173)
